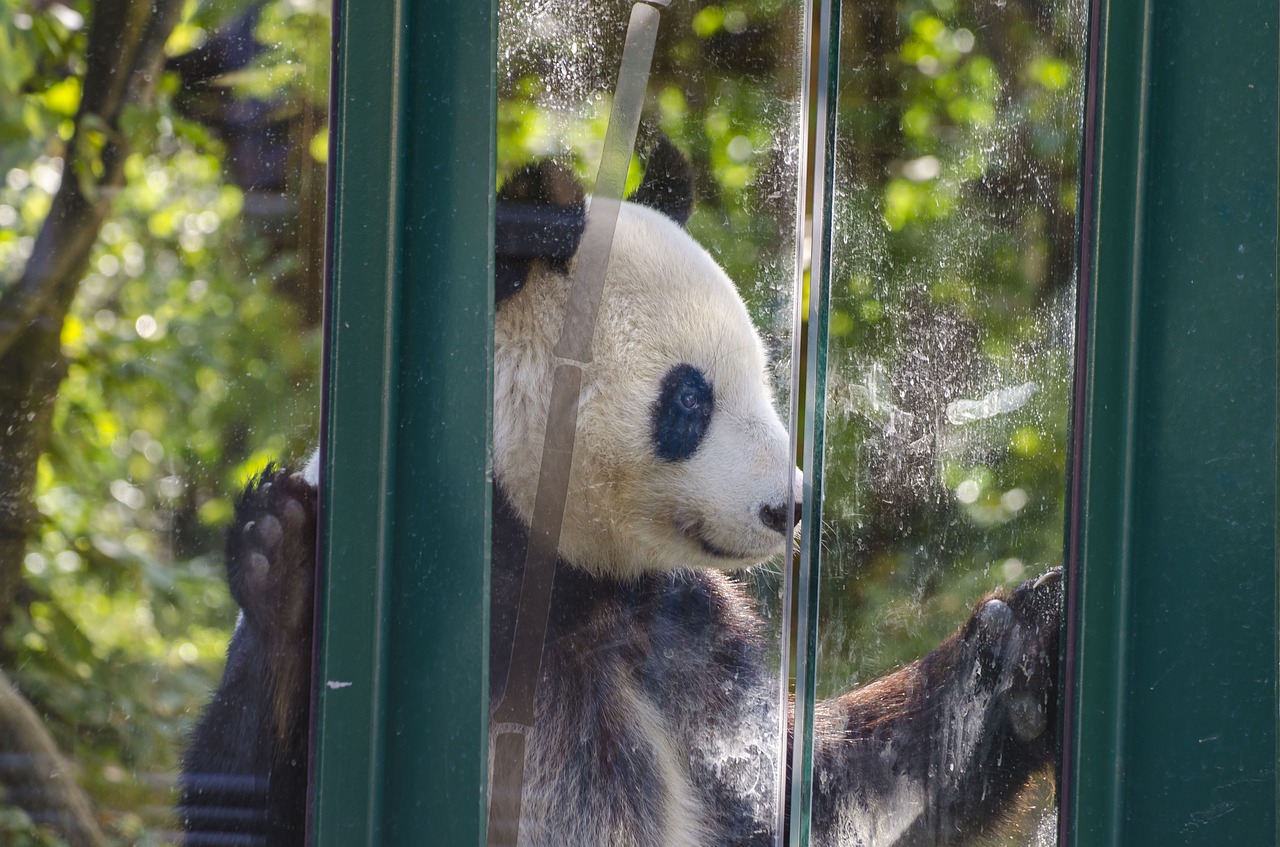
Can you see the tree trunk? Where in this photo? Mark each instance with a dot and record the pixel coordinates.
(124, 55)
(35, 775)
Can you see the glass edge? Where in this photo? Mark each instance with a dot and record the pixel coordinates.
(800, 801)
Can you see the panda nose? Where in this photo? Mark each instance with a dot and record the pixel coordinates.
(775, 517)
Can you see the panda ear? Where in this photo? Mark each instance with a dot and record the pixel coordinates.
(668, 182)
(540, 216)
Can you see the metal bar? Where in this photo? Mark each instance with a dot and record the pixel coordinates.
(359, 408)
(574, 346)
(1174, 735)
(404, 624)
(514, 715)
(619, 142)
(791, 560)
(814, 437)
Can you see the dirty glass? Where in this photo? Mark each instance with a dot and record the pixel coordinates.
(161, 241)
(948, 298)
(645, 699)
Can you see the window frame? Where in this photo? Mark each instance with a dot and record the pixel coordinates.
(406, 458)
(1170, 714)
(401, 738)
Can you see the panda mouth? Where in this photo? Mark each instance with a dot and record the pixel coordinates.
(719, 552)
(695, 531)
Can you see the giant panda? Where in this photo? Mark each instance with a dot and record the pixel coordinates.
(657, 716)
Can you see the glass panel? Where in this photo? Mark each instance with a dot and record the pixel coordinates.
(951, 302)
(161, 238)
(658, 716)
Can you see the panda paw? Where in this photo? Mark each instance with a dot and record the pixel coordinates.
(1016, 640)
(271, 552)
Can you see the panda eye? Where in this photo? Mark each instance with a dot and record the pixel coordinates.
(681, 413)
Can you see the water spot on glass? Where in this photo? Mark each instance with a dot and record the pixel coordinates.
(1000, 401)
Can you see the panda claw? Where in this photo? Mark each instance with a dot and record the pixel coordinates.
(995, 617)
(1051, 575)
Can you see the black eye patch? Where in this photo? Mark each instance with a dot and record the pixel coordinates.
(682, 413)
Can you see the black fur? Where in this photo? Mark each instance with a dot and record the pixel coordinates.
(668, 182)
(998, 673)
(686, 643)
(541, 212)
(682, 413)
(244, 775)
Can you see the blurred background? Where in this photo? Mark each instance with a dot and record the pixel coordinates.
(161, 244)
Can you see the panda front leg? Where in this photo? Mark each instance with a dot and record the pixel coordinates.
(936, 753)
(244, 773)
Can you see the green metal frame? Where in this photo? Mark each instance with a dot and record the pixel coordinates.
(1172, 714)
(401, 727)
(1172, 722)
(808, 584)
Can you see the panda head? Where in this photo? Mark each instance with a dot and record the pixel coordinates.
(680, 459)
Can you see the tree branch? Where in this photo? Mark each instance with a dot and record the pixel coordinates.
(124, 55)
(37, 777)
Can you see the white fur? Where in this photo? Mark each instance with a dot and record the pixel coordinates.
(572, 814)
(311, 471)
(666, 302)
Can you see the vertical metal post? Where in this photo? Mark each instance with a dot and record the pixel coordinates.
(814, 417)
(1173, 738)
(401, 730)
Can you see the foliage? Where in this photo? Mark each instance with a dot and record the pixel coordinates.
(18, 830)
(188, 368)
(952, 282)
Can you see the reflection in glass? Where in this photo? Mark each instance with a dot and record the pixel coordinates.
(161, 229)
(659, 714)
(950, 320)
